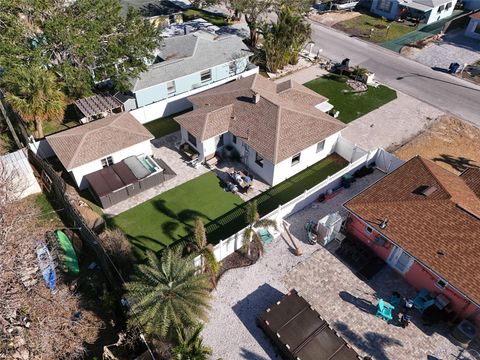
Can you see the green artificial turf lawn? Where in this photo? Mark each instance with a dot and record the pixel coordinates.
(212, 18)
(361, 26)
(162, 126)
(170, 216)
(351, 105)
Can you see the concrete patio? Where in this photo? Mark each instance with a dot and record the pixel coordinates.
(349, 305)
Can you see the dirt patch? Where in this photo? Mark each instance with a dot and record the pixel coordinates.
(331, 18)
(450, 142)
(472, 73)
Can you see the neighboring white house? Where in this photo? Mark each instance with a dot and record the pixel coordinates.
(16, 176)
(187, 65)
(473, 27)
(428, 11)
(87, 148)
(276, 129)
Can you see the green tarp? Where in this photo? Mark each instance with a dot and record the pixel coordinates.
(69, 257)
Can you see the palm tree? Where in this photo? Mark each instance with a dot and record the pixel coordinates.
(208, 264)
(190, 345)
(35, 94)
(167, 293)
(253, 220)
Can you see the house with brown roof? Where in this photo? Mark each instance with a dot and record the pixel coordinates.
(424, 221)
(277, 130)
(91, 147)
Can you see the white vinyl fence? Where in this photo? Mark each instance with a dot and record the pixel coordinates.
(387, 163)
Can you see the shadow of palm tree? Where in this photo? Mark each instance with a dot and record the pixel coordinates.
(459, 163)
(169, 228)
(162, 207)
(190, 215)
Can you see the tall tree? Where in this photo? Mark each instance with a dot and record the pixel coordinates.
(253, 219)
(190, 345)
(208, 264)
(166, 294)
(284, 38)
(254, 11)
(85, 41)
(34, 93)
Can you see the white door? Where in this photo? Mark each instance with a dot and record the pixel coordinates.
(400, 260)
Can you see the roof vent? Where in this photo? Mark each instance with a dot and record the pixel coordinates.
(256, 98)
(384, 223)
(425, 190)
(429, 190)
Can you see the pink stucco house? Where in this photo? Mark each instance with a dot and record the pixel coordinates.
(424, 221)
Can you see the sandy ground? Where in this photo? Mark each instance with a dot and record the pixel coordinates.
(450, 142)
(331, 18)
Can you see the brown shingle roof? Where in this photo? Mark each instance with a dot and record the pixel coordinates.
(471, 177)
(445, 222)
(83, 144)
(281, 124)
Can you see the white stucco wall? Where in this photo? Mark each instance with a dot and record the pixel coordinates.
(179, 102)
(309, 156)
(435, 15)
(470, 30)
(78, 173)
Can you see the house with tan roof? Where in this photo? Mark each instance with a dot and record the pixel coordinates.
(277, 130)
(97, 145)
(424, 221)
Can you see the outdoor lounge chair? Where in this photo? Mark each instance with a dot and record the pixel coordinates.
(265, 235)
(384, 310)
(423, 300)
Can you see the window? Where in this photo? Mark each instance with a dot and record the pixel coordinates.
(368, 230)
(206, 76)
(440, 8)
(442, 284)
(320, 146)
(448, 6)
(232, 68)
(400, 260)
(384, 5)
(477, 29)
(171, 87)
(192, 140)
(296, 159)
(234, 139)
(258, 160)
(108, 161)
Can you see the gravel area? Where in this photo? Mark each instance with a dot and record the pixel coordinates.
(391, 125)
(243, 293)
(454, 47)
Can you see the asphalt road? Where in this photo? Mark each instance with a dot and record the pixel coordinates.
(441, 90)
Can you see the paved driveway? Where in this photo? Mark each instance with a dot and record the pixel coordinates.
(454, 47)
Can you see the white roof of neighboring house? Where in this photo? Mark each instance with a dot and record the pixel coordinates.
(16, 167)
(188, 27)
(423, 5)
(189, 54)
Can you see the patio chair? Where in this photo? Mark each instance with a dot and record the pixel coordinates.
(395, 299)
(265, 235)
(384, 310)
(423, 300)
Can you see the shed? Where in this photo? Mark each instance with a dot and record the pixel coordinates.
(15, 167)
